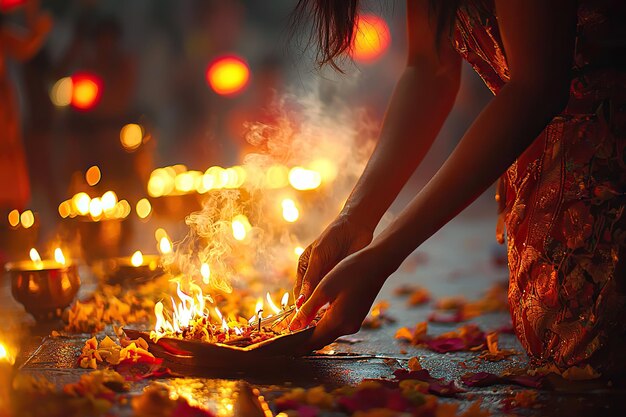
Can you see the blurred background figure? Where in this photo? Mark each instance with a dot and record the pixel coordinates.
(20, 45)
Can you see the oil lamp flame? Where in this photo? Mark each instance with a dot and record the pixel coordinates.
(137, 258)
(205, 271)
(259, 306)
(285, 300)
(34, 256)
(59, 257)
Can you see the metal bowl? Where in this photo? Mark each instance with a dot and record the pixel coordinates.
(44, 292)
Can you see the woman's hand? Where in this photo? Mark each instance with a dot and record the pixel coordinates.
(350, 289)
(342, 237)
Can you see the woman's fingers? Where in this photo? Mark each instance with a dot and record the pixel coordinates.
(303, 263)
(309, 310)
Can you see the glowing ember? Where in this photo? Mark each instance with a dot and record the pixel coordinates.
(34, 256)
(137, 258)
(290, 211)
(59, 257)
(304, 179)
(205, 271)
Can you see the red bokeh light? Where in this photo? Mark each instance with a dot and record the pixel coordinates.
(7, 5)
(86, 91)
(371, 40)
(228, 75)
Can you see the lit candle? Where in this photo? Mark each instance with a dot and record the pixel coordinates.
(259, 311)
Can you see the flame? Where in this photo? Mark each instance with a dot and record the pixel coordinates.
(5, 355)
(298, 250)
(137, 258)
(285, 300)
(270, 302)
(59, 257)
(165, 245)
(259, 306)
(34, 256)
(290, 211)
(304, 179)
(205, 271)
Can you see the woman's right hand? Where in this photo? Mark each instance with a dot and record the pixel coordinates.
(341, 238)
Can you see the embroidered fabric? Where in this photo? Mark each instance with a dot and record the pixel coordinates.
(562, 202)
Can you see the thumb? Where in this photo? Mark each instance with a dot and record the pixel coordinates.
(308, 311)
(312, 276)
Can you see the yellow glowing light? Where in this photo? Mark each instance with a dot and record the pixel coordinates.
(165, 245)
(285, 300)
(95, 207)
(124, 209)
(160, 233)
(270, 302)
(27, 219)
(205, 271)
(372, 38)
(143, 208)
(131, 136)
(59, 257)
(228, 75)
(137, 258)
(298, 250)
(109, 201)
(14, 218)
(304, 179)
(217, 173)
(241, 226)
(34, 256)
(61, 92)
(277, 176)
(93, 175)
(156, 186)
(259, 306)
(184, 182)
(81, 201)
(290, 211)
(4, 354)
(326, 168)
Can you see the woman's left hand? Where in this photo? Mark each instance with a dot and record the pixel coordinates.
(350, 289)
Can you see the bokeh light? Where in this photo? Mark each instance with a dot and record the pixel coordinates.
(61, 92)
(27, 219)
(143, 208)
(290, 211)
(304, 179)
(93, 175)
(14, 218)
(228, 75)
(86, 91)
(371, 40)
(131, 136)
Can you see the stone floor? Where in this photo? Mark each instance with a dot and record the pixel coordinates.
(457, 260)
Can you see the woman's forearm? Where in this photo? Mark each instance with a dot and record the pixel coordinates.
(506, 127)
(408, 131)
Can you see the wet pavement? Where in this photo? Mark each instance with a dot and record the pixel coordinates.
(459, 260)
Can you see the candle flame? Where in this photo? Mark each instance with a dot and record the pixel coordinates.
(34, 256)
(137, 258)
(270, 302)
(205, 271)
(285, 300)
(259, 306)
(165, 245)
(58, 256)
(5, 356)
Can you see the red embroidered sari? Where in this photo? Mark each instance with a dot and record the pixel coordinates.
(563, 200)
